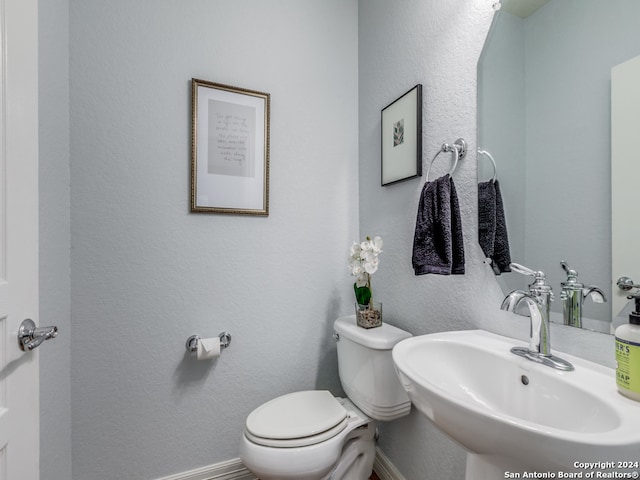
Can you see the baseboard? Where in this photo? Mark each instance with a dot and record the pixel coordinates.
(235, 470)
(229, 470)
(384, 468)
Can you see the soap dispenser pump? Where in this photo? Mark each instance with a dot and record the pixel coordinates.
(628, 350)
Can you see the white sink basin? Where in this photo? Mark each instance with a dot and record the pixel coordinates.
(512, 414)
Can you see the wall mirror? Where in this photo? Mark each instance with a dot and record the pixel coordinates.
(544, 114)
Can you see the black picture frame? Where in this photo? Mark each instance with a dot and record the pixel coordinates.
(401, 138)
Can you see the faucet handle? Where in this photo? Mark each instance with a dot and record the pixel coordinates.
(572, 275)
(537, 274)
(516, 267)
(539, 285)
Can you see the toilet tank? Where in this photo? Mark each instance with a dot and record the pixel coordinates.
(366, 368)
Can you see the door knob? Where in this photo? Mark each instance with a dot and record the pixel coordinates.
(30, 337)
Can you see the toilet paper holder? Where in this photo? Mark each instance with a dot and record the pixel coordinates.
(192, 341)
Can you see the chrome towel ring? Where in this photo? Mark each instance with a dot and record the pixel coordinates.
(459, 149)
(495, 169)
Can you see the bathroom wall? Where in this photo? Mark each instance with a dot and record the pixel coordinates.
(146, 273)
(55, 303)
(437, 44)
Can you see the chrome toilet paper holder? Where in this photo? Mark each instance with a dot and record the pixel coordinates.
(192, 341)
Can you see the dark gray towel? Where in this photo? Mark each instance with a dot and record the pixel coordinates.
(501, 252)
(486, 217)
(492, 227)
(438, 243)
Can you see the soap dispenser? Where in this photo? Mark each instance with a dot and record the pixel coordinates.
(628, 353)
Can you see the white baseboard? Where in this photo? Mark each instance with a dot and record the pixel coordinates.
(235, 470)
(229, 470)
(384, 468)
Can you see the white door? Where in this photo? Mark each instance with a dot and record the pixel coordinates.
(19, 393)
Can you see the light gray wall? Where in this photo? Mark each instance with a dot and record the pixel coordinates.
(437, 44)
(55, 303)
(146, 273)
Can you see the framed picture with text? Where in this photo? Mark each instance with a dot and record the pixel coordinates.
(402, 138)
(229, 149)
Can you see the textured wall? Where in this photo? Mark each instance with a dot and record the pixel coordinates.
(55, 303)
(146, 273)
(437, 44)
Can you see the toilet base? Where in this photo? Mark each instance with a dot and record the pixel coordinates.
(356, 460)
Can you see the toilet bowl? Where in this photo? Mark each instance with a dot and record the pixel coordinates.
(312, 435)
(302, 435)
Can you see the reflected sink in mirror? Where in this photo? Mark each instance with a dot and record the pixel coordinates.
(514, 415)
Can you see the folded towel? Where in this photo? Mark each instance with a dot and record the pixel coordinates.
(492, 226)
(438, 243)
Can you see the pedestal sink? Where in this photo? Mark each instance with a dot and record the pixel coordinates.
(513, 415)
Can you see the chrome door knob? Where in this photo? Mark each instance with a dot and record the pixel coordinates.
(30, 337)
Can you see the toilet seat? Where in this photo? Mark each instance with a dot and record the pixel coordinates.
(318, 459)
(296, 420)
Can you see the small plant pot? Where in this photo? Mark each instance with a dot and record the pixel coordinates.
(369, 316)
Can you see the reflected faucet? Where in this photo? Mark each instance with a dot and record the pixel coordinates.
(573, 296)
(538, 300)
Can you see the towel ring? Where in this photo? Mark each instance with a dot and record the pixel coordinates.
(459, 148)
(495, 169)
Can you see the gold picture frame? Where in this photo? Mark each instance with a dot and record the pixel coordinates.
(229, 149)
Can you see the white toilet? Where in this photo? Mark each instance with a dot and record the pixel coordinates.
(312, 435)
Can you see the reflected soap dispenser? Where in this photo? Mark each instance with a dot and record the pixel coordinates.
(628, 354)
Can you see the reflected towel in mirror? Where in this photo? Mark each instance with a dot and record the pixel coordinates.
(492, 226)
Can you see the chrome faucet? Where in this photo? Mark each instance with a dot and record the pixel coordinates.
(538, 300)
(573, 296)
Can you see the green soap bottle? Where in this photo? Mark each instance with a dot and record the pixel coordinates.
(628, 355)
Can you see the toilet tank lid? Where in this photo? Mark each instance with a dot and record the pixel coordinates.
(384, 337)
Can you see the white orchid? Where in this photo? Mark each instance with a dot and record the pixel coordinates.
(363, 263)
